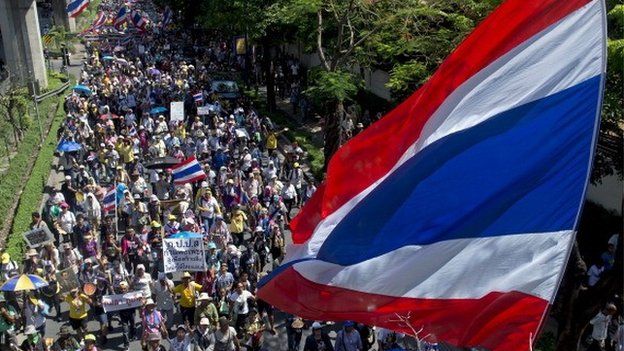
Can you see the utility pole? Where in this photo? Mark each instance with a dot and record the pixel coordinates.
(34, 92)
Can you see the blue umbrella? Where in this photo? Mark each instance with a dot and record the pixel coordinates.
(108, 58)
(157, 110)
(185, 235)
(82, 89)
(68, 146)
(24, 282)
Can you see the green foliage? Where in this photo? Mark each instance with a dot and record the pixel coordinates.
(333, 87)
(30, 199)
(406, 75)
(12, 180)
(59, 37)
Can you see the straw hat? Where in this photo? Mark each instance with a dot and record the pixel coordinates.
(297, 323)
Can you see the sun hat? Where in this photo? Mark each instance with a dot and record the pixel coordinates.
(212, 245)
(89, 337)
(204, 297)
(186, 275)
(6, 258)
(140, 266)
(150, 302)
(153, 337)
(297, 323)
(204, 321)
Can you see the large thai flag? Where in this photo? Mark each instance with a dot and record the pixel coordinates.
(188, 171)
(121, 18)
(76, 7)
(459, 207)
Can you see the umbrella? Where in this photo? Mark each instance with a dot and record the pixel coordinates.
(68, 146)
(185, 235)
(154, 72)
(82, 89)
(24, 282)
(161, 163)
(108, 58)
(122, 61)
(157, 110)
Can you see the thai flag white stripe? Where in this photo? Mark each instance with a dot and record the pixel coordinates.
(538, 68)
(505, 263)
(185, 167)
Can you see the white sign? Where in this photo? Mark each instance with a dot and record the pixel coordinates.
(203, 110)
(184, 254)
(38, 237)
(125, 301)
(177, 110)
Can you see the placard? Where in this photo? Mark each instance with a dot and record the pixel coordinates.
(117, 302)
(37, 237)
(67, 280)
(177, 110)
(184, 254)
(203, 110)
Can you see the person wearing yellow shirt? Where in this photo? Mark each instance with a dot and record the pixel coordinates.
(271, 140)
(187, 290)
(124, 147)
(237, 224)
(78, 308)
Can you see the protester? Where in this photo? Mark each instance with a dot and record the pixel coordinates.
(318, 341)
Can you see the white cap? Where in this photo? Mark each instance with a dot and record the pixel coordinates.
(204, 321)
(140, 266)
(316, 325)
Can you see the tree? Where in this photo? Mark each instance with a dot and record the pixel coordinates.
(58, 36)
(14, 102)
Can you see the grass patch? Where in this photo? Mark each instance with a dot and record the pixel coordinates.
(12, 181)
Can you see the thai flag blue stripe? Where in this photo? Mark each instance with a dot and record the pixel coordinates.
(522, 171)
(184, 173)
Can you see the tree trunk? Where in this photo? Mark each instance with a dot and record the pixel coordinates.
(332, 134)
(270, 77)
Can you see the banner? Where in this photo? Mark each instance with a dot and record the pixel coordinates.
(38, 237)
(177, 110)
(117, 302)
(67, 280)
(184, 254)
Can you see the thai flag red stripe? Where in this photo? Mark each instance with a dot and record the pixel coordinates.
(401, 127)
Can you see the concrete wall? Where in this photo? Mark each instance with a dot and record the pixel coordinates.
(608, 194)
(374, 80)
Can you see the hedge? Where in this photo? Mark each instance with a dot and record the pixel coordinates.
(12, 181)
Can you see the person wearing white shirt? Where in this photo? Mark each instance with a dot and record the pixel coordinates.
(239, 305)
(594, 273)
(164, 298)
(181, 341)
(600, 324)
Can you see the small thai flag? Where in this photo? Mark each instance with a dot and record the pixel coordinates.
(188, 171)
(122, 17)
(76, 7)
(108, 203)
(167, 17)
(138, 20)
(99, 20)
(199, 97)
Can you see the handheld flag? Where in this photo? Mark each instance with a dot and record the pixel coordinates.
(121, 18)
(138, 20)
(108, 203)
(199, 97)
(459, 207)
(188, 171)
(99, 21)
(167, 17)
(76, 7)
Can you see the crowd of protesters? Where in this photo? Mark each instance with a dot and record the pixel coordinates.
(242, 208)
